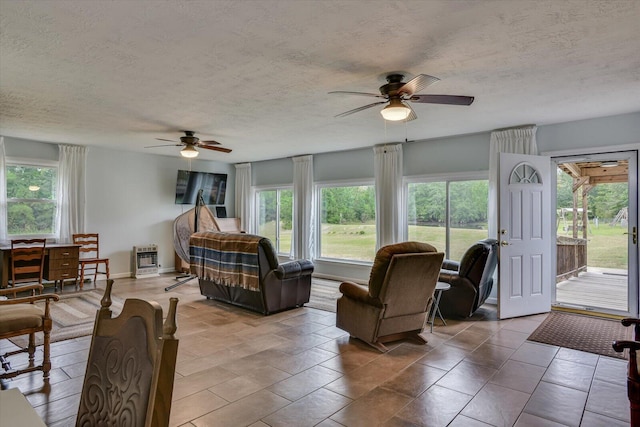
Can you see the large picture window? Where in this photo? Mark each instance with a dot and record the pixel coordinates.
(347, 222)
(31, 199)
(275, 217)
(449, 214)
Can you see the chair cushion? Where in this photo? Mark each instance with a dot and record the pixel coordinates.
(20, 316)
(383, 258)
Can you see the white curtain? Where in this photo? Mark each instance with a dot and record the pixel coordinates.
(244, 197)
(303, 210)
(71, 191)
(388, 184)
(518, 140)
(3, 194)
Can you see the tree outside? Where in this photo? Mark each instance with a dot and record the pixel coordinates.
(31, 199)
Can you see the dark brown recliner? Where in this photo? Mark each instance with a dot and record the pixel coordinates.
(396, 303)
(471, 279)
(243, 269)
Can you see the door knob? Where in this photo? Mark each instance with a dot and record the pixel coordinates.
(504, 243)
(634, 235)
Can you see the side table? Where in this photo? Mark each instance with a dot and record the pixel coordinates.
(435, 307)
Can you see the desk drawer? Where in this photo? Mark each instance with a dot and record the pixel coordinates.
(63, 253)
(61, 263)
(60, 274)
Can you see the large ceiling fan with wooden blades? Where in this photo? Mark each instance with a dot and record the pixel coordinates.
(397, 95)
(190, 142)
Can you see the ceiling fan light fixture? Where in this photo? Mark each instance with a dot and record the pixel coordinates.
(395, 111)
(189, 152)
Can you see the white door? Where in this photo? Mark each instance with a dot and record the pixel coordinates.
(524, 225)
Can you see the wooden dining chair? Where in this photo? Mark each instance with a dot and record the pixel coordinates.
(131, 365)
(633, 368)
(27, 261)
(20, 316)
(90, 258)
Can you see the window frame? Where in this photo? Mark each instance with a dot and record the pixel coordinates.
(318, 186)
(447, 178)
(256, 203)
(21, 161)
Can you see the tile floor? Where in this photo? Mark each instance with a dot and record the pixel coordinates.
(238, 368)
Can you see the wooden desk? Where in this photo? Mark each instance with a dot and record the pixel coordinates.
(16, 411)
(60, 262)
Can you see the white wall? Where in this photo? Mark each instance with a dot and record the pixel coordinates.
(131, 195)
(130, 198)
(461, 153)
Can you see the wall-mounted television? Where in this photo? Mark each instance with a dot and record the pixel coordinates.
(213, 187)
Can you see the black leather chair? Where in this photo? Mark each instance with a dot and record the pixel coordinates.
(471, 279)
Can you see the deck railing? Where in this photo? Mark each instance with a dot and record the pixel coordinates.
(572, 257)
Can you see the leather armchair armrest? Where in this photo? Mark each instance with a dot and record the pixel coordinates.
(293, 269)
(359, 293)
(448, 276)
(448, 264)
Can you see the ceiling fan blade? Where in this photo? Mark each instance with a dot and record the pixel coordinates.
(355, 110)
(208, 143)
(215, 148)
(442, 99)
(344, 92)
(416, 84)
(164, 145)
(412, 115)
(169, 140)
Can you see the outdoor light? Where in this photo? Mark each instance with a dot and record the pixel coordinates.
(189, 152)
(34, 188)
(395, 111)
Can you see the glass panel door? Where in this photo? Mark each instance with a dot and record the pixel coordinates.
(596, 216)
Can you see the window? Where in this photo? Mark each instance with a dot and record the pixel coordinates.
(275, 217)
(449, 214)
(347, 222)
(31, 199)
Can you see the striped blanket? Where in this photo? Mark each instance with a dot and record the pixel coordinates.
(226, 259)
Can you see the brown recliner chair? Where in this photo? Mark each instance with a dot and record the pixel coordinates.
(397, 301)
(471, 279)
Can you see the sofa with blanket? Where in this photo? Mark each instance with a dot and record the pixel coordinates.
(243, 269)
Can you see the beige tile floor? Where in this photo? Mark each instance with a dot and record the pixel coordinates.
(238, 368)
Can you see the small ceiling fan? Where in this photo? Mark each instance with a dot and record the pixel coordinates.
(396, 93)
(190, 142)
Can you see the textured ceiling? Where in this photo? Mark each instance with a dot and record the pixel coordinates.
(255, 75)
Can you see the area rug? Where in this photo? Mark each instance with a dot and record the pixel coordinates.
(73, 316)
(324, 294)
(585, 333)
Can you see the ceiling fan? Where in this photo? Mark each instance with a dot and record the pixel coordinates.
(396, 93)
(190, 142)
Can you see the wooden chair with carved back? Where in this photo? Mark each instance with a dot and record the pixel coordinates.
(633, 373)
(131, 365)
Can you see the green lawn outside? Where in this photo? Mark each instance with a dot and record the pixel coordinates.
(606, 245)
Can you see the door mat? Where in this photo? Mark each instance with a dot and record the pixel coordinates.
(73, 316)
(584, 333)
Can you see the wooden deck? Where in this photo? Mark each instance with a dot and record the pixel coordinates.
(597, 288)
